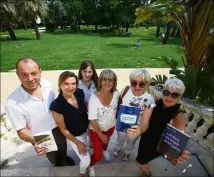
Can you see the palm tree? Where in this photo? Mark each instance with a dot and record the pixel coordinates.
(7, 16)
(32, 10)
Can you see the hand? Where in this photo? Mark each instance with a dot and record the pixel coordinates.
(81, 148)
(183, 157)
(104, 138)
(40, 150)
(134, 130)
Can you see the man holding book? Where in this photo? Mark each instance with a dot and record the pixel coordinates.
(28, 110)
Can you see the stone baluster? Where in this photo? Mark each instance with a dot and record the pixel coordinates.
(208, 142)
(192, 125)
(202, 130)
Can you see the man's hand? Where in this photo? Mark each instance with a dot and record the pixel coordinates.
(40, 150)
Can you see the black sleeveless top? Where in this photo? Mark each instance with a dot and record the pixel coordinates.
(76, 119)
(149, 140)
(159, 119)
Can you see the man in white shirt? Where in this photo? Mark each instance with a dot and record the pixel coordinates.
(28, 110)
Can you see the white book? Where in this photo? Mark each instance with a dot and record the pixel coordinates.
(46, 139)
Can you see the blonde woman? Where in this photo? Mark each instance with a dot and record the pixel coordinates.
(101, 113)
(134, 95)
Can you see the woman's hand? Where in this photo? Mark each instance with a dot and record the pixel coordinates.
(183, 157)
(81, 148)
(134, 130)
(104, 138)
(40, 150)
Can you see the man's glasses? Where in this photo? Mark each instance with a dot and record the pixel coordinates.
(173, 95)
(140, 84)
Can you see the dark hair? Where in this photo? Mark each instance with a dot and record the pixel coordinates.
(26, 60)
(85, 64)
(65, 75)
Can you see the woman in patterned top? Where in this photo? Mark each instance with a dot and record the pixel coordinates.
(135, 95)
(102, 109)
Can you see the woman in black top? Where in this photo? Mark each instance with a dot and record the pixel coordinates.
(70, 113)
(152, 126)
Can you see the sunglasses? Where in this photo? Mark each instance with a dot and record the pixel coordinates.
(173, 95)
(140, 84)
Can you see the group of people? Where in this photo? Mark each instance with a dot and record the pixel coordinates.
(86, 106)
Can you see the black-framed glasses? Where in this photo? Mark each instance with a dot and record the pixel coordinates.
(140, 84)
(174, 95)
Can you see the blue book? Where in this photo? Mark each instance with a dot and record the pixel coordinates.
(127, 117)
(172, 143)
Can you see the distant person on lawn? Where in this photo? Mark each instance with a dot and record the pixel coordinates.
(28, 110)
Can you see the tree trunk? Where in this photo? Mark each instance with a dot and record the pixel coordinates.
(178, 33)
(127, 27)
(36, 30)
(167, 33)
(96, 27)
(158, 31)
(11, 32)
(173, 31)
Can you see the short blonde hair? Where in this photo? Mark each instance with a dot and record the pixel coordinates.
(175, 83)
(140, 73)
(107, 74)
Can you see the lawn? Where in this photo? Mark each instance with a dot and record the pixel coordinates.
(65, 50)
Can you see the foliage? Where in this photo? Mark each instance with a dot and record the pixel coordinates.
(159, 80)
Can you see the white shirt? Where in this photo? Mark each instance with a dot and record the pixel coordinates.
(87, 90)
(144, 101)
(104, 115)
(25, 110)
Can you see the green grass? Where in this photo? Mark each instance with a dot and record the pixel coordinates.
(66, 50)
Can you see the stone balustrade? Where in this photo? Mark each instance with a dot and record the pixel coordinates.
(200, 120)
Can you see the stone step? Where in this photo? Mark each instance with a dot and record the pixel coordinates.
(159, 167)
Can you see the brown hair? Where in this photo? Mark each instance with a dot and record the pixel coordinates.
(107, 74)
(65, 75)
(85, 64)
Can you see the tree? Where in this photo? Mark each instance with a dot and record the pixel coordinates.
(32, 10)
(7, 16)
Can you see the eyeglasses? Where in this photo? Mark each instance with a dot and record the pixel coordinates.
(108, 81)
(140, 84)
(173, 95)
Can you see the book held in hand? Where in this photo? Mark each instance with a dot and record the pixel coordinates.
(172, 143)
(46, 139)
(127, 117)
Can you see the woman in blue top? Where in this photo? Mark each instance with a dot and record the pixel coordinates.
(70, 113)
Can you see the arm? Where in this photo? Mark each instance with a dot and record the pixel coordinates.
(144, 124)
(179, 121)
(25, 135)
(61, 123)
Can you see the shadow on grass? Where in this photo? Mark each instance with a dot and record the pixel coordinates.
(7, 39)
(120, 45)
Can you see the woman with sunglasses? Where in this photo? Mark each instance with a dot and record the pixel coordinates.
(101, 114)
(135, 95)
(167, 110)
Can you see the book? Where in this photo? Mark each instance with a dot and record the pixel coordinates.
(46, 139)
(127, 117)
(172, 143)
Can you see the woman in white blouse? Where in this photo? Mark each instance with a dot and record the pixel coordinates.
(88, 78)
(101, 113)
(134, 95)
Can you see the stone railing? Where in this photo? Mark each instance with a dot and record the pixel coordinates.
(200, 120)
(9, 138)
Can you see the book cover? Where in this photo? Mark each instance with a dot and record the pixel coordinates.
(127, 117)
(46, 139)
(172, 143)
